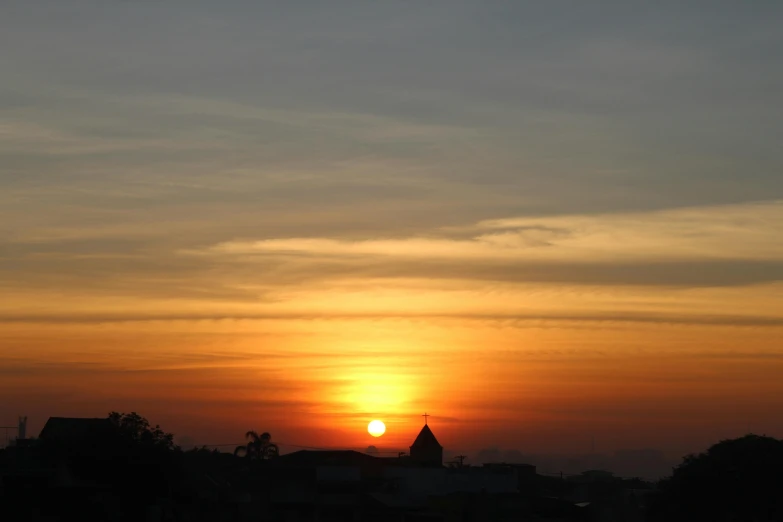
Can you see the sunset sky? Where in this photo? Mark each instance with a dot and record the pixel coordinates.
(540, 222)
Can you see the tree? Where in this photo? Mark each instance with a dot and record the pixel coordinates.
(137, 430)
(734, 480)
(258, 447)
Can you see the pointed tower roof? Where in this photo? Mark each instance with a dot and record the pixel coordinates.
(426, 439)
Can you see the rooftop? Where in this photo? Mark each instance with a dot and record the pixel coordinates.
(426, 439)
(70, 428)
(335, 458)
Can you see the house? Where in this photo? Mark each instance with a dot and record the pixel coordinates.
(32, 472)
(595, 475)
(82, 432)
(426, 451)
(526, 473)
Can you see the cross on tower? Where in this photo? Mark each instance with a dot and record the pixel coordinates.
(425, 417)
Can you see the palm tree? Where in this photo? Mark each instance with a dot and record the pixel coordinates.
(249, 450)
(258, 447)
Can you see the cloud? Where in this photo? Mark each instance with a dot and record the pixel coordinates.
(507, 320)
(689, 266)
(25, 137)
(737, 232)
(731, 245)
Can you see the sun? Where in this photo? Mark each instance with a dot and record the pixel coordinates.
(376, 428)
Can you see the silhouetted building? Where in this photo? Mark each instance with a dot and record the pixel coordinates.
(426, 450)
(313, 458)
(526, 473)
(80, 436)
(594, 475)
(75, 430)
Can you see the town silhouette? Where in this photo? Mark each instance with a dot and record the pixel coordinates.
(122, 468)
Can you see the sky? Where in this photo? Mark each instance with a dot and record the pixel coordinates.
(552, 226)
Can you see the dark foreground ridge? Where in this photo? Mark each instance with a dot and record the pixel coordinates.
(121, 468)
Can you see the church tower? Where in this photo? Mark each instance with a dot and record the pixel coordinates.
(426, 451)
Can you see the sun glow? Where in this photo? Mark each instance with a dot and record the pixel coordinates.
(376, 428)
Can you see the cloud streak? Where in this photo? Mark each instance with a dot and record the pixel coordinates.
(506, 320)
(744, 232)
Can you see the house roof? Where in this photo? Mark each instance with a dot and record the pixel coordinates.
(315, 458)
(327, 458)
(426, 439)
(68, 428)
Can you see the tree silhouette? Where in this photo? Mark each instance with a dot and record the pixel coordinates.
(143, 459)
(734, 480)
(122, 453)
(135, 429)
(258, 447)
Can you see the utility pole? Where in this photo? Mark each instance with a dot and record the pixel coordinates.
(461, 459)
(6, 428)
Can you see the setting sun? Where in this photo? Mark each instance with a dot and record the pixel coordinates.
(376, 428)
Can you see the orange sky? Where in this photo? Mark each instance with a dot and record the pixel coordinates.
(507, 380)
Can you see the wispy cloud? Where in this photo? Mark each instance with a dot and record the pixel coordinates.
(503, 320)
(737, 232)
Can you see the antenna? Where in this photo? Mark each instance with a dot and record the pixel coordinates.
(21, 433)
